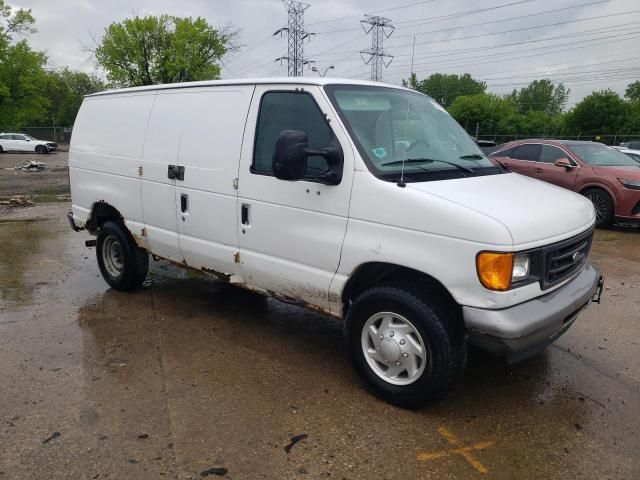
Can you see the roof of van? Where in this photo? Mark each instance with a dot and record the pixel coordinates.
(248, 81)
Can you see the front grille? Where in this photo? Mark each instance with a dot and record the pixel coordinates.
(563, 259)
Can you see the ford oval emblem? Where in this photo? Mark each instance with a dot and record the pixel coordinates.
(577, 257)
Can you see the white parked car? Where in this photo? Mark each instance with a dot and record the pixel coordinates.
(635, 154)
(20, 142)
(364, 201)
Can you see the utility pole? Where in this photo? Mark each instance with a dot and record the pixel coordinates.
(380, 28)
(296, 35)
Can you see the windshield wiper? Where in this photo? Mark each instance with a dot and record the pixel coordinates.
(428, 160)
(472, 156)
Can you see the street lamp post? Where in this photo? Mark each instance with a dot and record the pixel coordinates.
(315, 69)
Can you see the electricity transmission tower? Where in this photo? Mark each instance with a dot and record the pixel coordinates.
(380, 28)
(296, 36)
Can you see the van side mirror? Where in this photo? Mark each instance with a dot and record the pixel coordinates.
(291, 154)
(564, 163)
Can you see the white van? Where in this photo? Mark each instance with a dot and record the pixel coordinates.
(364, 201)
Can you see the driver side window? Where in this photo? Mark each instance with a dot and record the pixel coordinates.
(289, 111)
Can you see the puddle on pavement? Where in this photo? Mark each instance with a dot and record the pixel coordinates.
(189, 375)
(22, 242)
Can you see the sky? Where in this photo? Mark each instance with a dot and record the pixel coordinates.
(587, 44)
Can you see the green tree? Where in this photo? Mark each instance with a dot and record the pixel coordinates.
(14, 22)
(65, 90)
(541, 96)
(165, 49)
(600, 113)
(446, 88)
(633, 91)
(487, 110)
(22, 76)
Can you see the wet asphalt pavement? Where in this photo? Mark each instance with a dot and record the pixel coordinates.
(190, 378)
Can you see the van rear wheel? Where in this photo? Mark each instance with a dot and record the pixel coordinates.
(122, 263)
(404, 345)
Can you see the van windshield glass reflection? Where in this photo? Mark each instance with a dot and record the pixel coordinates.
(390, 125)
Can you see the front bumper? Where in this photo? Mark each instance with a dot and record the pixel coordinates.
(523, 330)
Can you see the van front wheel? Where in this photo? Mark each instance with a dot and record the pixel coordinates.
(122, 263)
(404, 346)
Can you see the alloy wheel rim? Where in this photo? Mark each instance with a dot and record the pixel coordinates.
(599, 204)
(112, 256)
(394, 349)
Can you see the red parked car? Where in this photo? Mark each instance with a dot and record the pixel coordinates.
(607, 177)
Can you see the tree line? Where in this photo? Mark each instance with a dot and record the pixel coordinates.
(538, 109)
(166, 49)
(138, 51)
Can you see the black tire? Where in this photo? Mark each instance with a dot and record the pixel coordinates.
(1, 150)
(41, 149)
(438, 327)
(123, 264)
(603, 205)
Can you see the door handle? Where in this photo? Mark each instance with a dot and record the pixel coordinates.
(179, 169)
(244, 214)
(184, 202)
(539, 170)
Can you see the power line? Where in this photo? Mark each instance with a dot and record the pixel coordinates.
(448, 53)
(442, 17)
(336, 19)
(517, 17)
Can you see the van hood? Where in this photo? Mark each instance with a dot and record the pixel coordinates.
(533, 211)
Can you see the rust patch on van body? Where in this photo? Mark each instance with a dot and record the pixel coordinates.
(225, 277)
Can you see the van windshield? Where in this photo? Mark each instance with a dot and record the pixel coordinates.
(392, 126)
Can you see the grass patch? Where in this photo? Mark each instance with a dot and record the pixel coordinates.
(49, 198)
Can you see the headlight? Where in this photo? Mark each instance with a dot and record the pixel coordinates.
(632, 184)
(520, 268)
(498, 270)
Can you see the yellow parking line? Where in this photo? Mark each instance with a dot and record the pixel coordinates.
(457, 449)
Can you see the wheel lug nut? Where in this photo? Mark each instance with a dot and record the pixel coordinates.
(405, 355)
(381, 337)
(391, 333)
(403, 341)
(397, 363)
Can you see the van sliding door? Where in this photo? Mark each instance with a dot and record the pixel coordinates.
(158, 185)
(206, 197)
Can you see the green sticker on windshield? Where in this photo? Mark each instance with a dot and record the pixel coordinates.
(379, 152)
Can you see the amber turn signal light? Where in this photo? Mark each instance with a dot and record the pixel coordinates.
(495, 270)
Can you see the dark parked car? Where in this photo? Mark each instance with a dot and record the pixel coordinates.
(487, 146)
(609, 178)
(631, 145)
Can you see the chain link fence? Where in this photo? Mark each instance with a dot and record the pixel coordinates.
(60, 135)
(606, 139)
